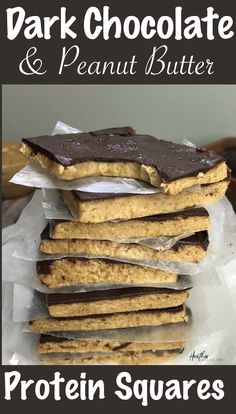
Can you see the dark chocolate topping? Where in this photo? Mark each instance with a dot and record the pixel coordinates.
(85, 196)
(230, 157)
(43, 266)
(172, 161)
(123, 131)
(45, 235)
(184, 214)
(197, 239)
(108, 294)
(50, 338)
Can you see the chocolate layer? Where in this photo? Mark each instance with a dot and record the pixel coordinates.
(50, 338)
(85, 196)
(184, 214)
(108, 294)
(122, 131)
(230, 157)
(172, 161)
(45, 235)
(197, 239)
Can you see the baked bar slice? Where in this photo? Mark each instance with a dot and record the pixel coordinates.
(172, 224)
(50, 344)
(117, 358)
(119, 320)
(166, 165)
(190, 249)
(97, 208)
(72, 271)
(113, 301)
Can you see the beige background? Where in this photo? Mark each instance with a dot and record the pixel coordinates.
(199, 113)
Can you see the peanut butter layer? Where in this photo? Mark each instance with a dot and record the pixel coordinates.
(122, 358)
(154, 317)
(170, 166)
(78, 271)
(51, 344)
(92, 210)
(172, 224)
(113, 301)
(191, 249)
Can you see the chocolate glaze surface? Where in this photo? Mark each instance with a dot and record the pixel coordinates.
(50, 338)
(85, 196)
(184, 214)
(108, 294)
(171, 160)
(122, 131)
(197, 239)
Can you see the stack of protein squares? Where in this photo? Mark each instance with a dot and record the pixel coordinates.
(115, 239)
